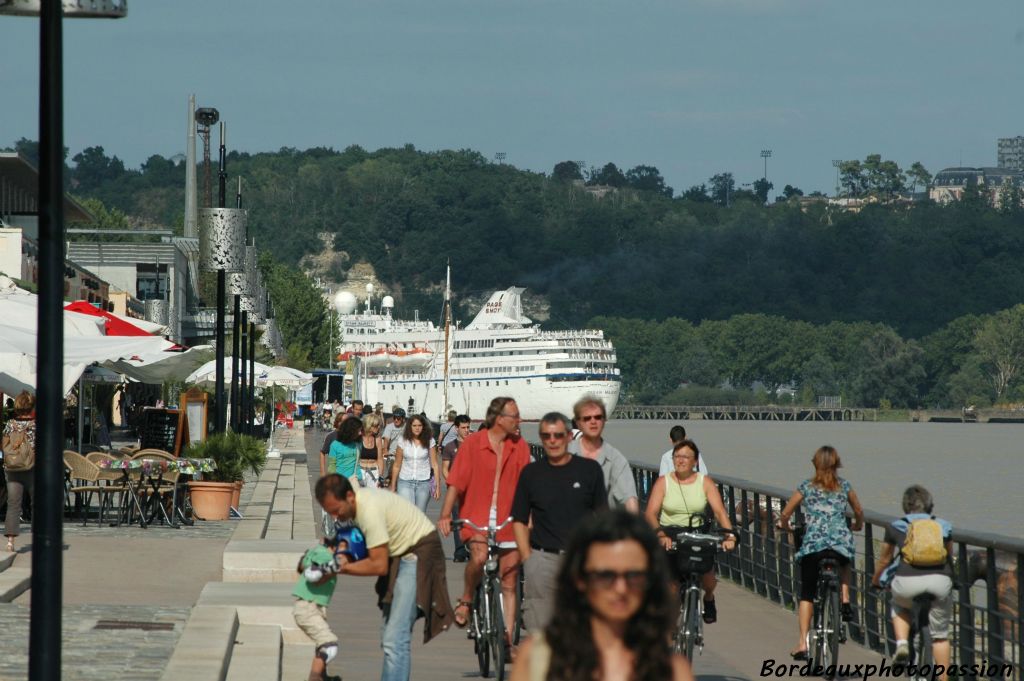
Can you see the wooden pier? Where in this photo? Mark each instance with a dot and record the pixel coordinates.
(967, 415)
(742, 413)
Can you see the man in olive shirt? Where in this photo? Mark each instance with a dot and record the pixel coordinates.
(591, 416)
(405, 553)
(555, 493)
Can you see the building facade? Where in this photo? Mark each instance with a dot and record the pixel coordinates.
(1010, 153)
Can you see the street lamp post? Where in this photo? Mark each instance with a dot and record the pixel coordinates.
(44, 658)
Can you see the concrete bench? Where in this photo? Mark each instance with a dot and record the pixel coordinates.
(257, 654)
(265, 560)
(257, 603)
(203, 652)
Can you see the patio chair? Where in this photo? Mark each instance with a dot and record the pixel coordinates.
(165, 484)
(85, 480)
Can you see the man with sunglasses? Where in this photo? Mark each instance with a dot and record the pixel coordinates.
(556, 493)
(591, 415)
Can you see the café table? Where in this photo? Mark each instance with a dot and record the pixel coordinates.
(149, 480)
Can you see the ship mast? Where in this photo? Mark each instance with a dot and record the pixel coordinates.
(447, 333)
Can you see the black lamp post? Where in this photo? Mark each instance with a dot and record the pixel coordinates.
(44, 659)
(235, 340)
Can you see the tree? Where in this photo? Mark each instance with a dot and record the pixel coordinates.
(698, 193)
(722, 188)
(1000, 346)
(93, 169)
(789, 192)
(851, 178)
(761, 189)
(610, 175)
(890, 371)
(567, 171)
(918, 175)
(648, 179)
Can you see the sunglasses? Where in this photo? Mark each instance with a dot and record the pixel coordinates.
(553, 436)
(591, 417)
(606, 579)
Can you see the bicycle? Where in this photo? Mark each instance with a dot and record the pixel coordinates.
(827, 628)
(695, 555)
(487, 616)
(919, 641)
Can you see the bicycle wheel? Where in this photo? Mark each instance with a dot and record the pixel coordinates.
(499, 645)
(479, 623)
(920, 641)
(830, 624)
(517, 630)
(690, 616)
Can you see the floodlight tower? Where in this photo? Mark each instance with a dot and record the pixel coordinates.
(836, 163)
(766, 154)
(206, 118)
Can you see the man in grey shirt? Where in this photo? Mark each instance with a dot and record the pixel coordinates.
(393, 431)
(590, 415)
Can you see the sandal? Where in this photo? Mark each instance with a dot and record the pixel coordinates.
(461, 624)
(10, 544)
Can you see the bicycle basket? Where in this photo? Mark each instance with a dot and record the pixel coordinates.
(695, 555)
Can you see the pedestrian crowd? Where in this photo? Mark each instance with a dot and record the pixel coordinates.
(577, 541)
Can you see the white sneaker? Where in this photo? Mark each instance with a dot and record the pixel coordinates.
(902, 654)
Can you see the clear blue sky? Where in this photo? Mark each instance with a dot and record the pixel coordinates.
(694, 87)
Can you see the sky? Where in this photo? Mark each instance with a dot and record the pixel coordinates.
(693, 87)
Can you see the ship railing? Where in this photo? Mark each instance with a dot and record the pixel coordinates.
(986, 630)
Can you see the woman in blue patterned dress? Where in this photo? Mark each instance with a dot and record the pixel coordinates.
(823, 500)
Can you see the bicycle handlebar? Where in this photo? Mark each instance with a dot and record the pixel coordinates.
(488, 529)
(710, 535)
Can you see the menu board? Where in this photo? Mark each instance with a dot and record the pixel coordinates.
(161, 429)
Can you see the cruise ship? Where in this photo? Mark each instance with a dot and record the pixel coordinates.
(500, 353)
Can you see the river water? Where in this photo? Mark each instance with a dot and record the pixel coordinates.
(975, 471)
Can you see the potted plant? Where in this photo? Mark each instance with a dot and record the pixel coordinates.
(233, 454)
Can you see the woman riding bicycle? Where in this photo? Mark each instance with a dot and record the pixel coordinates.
(907, 581)
(678, 502)
(612, 608)
(823, 500)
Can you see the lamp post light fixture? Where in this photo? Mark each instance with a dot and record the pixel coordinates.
(837, 163)
(44, 645)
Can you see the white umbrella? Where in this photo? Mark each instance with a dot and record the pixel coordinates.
(286, 377)
(18, 355)
(207, 374)
(20, 309)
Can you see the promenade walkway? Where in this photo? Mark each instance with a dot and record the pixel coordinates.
(749, 629)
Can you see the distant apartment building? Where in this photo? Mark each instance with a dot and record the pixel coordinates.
(949, 184)
(1010, 153)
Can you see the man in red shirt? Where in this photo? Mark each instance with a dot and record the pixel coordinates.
(484, 486)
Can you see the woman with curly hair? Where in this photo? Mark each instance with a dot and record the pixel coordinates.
(613, 610)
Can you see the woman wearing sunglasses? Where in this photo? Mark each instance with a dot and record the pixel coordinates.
(613, 609)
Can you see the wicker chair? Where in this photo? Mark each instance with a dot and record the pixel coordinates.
(85, 480)
(167, 485)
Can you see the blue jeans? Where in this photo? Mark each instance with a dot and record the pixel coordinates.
(416, 491)
(396, 634)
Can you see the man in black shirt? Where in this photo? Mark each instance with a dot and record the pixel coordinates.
(556, 493)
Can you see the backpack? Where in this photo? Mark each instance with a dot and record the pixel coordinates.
(924, 545)
(19, 454)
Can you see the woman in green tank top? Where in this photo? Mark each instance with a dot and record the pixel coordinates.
(679, 501)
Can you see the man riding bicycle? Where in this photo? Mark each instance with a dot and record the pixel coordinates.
(483, 483)
(922, 565)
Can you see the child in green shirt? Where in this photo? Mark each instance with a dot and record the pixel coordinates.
(318, 570)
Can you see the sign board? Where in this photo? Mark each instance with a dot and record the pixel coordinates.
(162, 429)
(304, 395)
(194, 402)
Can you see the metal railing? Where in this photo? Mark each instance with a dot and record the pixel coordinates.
(985, 631)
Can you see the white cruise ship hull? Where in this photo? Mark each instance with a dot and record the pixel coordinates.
(535, 396)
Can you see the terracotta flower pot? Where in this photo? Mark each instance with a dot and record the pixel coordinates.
(211, 500)
(236, 496)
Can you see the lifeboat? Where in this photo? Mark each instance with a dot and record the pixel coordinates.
(414, 359)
